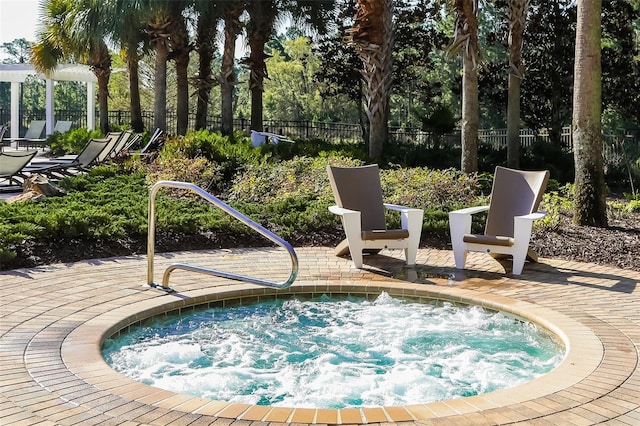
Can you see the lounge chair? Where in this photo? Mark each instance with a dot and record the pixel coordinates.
(122, 142)
(60, 127)
(34, 132)
(61, 166)
(358, 195)
(12, 164)
(3, 142)
(153, 144)
(515, 197)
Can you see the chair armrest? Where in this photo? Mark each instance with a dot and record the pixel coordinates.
(532, 216)
(400, 208)
(460, 222)
(341, 211)
(470, 210)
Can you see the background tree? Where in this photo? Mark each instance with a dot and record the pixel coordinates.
(159, 20)
(372, 38)
(590, 206)
(72, 30)
(231, 11)
(205, 44)
(18, 51)
(262, 15)
(465, 40)
(123, 20)
(517, 19)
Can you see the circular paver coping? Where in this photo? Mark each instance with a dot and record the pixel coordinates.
(82, 356)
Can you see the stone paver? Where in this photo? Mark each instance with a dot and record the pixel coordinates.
(54, 318)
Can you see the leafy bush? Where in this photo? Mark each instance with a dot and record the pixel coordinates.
(70, 142)
(267, 182)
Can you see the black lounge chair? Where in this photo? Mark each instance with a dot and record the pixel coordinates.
(62, 166)
(12, 164)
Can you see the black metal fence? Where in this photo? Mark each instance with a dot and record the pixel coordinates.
(615, 142)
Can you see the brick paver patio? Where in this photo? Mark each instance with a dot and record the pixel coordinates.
(53, 319)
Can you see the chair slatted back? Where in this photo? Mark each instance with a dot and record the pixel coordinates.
(91, 151)
(12, 162)
(112, 138)
(358, 188)
(514, 193)
(35, 130)
(62, 126)
(122, 141)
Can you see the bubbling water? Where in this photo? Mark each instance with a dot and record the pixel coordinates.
(336, 352)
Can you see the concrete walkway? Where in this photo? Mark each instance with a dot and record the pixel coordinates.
(53, 319)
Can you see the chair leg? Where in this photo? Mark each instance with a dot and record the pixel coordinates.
(460, 256)
(518, 262)
(342, 248)
(356, 256)
(410, 253)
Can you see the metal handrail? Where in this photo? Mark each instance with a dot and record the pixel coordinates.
(231, 211)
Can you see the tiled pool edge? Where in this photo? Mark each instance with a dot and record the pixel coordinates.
(584, 353)
(42, 306)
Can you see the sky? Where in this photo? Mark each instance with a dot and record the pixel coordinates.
(18, 19)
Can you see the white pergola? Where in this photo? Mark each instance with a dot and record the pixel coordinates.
(17, 74)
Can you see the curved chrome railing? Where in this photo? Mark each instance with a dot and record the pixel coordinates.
(216, 202)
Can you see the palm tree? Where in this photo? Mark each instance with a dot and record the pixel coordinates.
(262, 15)
(372, 37)
(205, 44)
(72, 30)
(465, 40)
(179, 49)
(124, 20)
(232, 28)
(517, 19)
(158, 22)
(589, 201)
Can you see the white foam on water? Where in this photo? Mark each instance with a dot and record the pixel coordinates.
(335, 353)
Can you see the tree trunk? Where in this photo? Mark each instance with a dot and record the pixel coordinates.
(182, 83)
(137, 125)
(205, 47)
(517, 18)
(101, 64)
(257, 74)
(160, 86)
(103, 96)
(372, 37)
(513, 122)
(589, 202)
(470, 117)
(227, 69)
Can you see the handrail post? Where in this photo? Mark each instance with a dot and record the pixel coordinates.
(229, 210)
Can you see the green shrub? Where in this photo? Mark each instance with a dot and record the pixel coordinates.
(70, 142)
(267, 182)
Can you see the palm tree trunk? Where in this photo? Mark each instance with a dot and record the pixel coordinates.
(182, 83)
(372, 37)
(513, 122)
(205, 46)
(517, 18)
(103, 97)
(589, 201)
(470, 117)
(160, 86)
(101, 65)
(465, 40)
(227, 70)
(134, 91)
(260, 27)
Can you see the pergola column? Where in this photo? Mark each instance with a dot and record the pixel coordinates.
(15, 109)
(49, 105)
